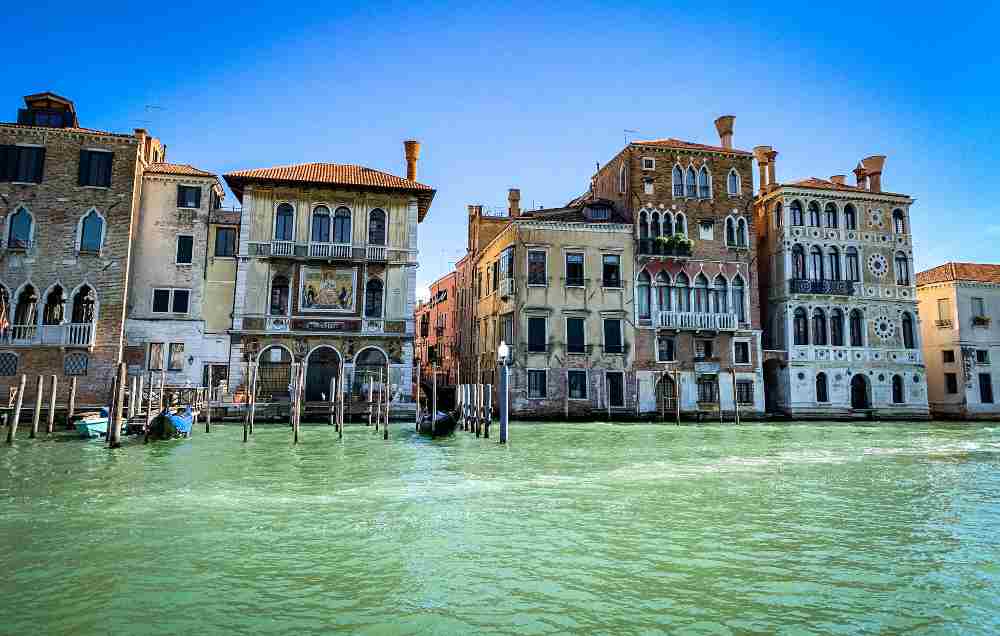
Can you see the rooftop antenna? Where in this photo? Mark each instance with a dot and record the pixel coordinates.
(628, 132)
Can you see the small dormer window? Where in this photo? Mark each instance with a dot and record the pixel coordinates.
(599, 213)
(648, 163)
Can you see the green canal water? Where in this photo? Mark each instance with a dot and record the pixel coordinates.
(577, 528)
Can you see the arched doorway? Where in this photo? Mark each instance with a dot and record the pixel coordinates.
(666, 395)
(323, 366)
(274, 374)
(859, 392)
(367, 365)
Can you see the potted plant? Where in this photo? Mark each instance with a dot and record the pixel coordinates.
(661, 245)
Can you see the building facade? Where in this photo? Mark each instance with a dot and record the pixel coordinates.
(436, 338)
(958, 302)
(326, 275)
(695, 309)
(70, 199)
(840, 303)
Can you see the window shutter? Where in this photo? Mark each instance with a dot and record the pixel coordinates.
(39, 167)
(8, 156)
(197, 197)
(84, 166)
(109, 160)
(180, 196)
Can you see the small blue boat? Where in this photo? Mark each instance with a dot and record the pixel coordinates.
(172, 422)
(92, 424)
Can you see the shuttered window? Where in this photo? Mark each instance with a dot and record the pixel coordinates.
(22, 164)
(188, 196)
(95, 168)
(536, 334)
(185, 249)
(574, 335)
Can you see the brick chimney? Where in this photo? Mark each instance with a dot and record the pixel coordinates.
(772, 161)
(873, 168)
(724, 125)
(411, 147)
(861, 176)
(514, 202)
(839, 179)
(760, 154)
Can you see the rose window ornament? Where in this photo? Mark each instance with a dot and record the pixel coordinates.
(877, 265)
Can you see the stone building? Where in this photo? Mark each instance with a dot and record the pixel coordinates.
(555, 285)
(694, 306)
(326, 274)
(960, 340)
(70, 199)
(437, 326)
(840, 310)
(166, 327)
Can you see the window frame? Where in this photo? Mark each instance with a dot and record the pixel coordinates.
(545, 267)
(170, 298)
(742, 341)
(604, 279)
(583, 330)
(545, 334)
(673, 347)
(149, 357)
(187, 187)
(90, 153)
(586, 385)
(730, 191)
(989, 389)
(947, 356)
(950, 383)
(177, 250)
(274, 222)
(13, 155)
(171, 351)
(80, 228)
(545, 383)
(652, 163)
(218, 232)
(604, 336)
(580, 282)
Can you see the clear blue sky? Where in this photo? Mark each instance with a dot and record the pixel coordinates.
(531, 95)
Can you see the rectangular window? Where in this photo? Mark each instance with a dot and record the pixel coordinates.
(170, 301)
(22, 164)
(611, 270)
(648, 163)
(95, 168)
(575, 342)
(665, 349)
(982, 356)
(985, 388)
(574, 269)
(176, 362)
(180, 303)
(647, 186)
(577, 385)
(613, 336)
(536, 384)
(161, 301)
(536, 268)
(707, 390)
(185, 249)
(616, 389)
(744, 391)
(948, 356)
(506, 263)
(950, 383)
(225, 242)
(978, 307)
(536, 334)
(155, 356)
(506, 329)
(944, 309)
(496, 275)
(702, 349)
(741, 351)
(188, 196)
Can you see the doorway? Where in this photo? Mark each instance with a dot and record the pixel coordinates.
(859, 392)
(324, 365)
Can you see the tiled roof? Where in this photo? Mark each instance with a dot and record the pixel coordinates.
(824, 184)
(182, 169)
(979, 272)
(688, 145)
(74, 129)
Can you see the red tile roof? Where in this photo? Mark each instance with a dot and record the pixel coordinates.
(688, 145)
(824, 184)
(979, 272)
(182, 169)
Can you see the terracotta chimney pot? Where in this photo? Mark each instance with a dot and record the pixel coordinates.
(411, 148)
(724, 125)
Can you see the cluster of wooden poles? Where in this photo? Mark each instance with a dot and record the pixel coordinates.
(17, 403)
(475, 408)
(677, 400)
(378, 401)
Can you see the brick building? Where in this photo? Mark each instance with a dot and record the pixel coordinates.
(696, 312)
(437, 332)
(70, 199)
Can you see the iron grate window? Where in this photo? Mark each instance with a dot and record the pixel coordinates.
(76, 364)
(8, 364)
(744, 392)
(536, 384)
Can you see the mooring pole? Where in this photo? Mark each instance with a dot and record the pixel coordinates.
(340, 398)
(333, 402)
(371, 387)
(378, 401)
(388, 398)
(254, 374)
(718, 391)
(159, 402)
(12, 425)
(38, 407)
(566, 395)
(138, 395)
(736, 402)
(131, 398)
(434, 398)
(115, 422)
(297, 408)
(72, 402)
(488, 416)
(416, 393)
(52, 405)
(504, 398)
(208, 401)
(677, 397)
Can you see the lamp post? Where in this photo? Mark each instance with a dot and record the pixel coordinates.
(503, 395)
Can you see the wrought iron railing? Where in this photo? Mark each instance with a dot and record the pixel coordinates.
(690, 320)
(829, 287)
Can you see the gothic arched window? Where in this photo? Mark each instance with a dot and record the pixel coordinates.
(373, 298)
(376, 227)
(800, 327)
(284, 223)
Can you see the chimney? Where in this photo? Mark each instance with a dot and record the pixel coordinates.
(873, 168)
(839, 179)
(861, 176)
(772, 181)
(724, 125)
(514, 202)
(412, 149)
(760, 154)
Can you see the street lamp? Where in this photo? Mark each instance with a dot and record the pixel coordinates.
(503, 395)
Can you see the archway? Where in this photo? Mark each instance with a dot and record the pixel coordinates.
(274, 374)
(666, 395)
(367, 365)
(323, 366)
(860, 397)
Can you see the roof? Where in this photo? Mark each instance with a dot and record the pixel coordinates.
(825, 184)
(74, 129)
(979, 272)
(182, 169)
(575, 212)
(331, 174)
(688, 145)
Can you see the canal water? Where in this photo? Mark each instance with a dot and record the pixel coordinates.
(576, 528)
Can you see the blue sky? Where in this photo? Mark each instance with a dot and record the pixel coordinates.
(532, 95)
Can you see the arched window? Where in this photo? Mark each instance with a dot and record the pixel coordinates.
(796, 208)
(692, 187)
(20, 230)
(741, 232)
(683, 292)
(720, 296)
(733, 183)
(321, 224)
(643, 225)
(902, 269)
(833, 264)
(898, 396)
(704, 189)
(908, 340)
(853, 265)
(799, 262)
(680, 225)
(739, 299)
(668, 224)
(816, 263)
(373, 298)
(800, 327)
(814, 214)
(91, 233)
(55, 307)
(730, 232)
(642, 303)
(898, 221)
(655, 224)
(663, 292)
(850, 217)
(84, 303)
(778, 212)
(26, 312)
(857, 328)
(819, 327)
(822, 394)
(342, 225)
(279, 296)
(678, 181)
(837, 328)
(701, 294)
(622, 181)
(284, 223)
(376, 227)
(830, 215)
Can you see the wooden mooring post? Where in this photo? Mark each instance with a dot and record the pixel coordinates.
(12, 424)
(677, 397)
(208, 401)
(371, 388)
(254, 373)
(333, 402)
(340, 399)
(37, 415)
(736, 401)
(115, 421)
(378, 401)
(416, 397)
(53, 383)
(72, 403)
(388, 397)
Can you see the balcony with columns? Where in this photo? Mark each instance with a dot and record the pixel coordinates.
(696, 321)
(64, 335)
(314, 250)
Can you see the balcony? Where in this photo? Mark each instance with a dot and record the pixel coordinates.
(656, 247)
(277, 323)
(827, 287)
(324, 250)
(330, 250)
(282, 248)
(68, 335)
(376, 252)
(373, 325)
(507, 287)
(690, 320)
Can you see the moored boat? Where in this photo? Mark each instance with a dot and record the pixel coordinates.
(442, 424)
(92, 423)
(172, 423)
